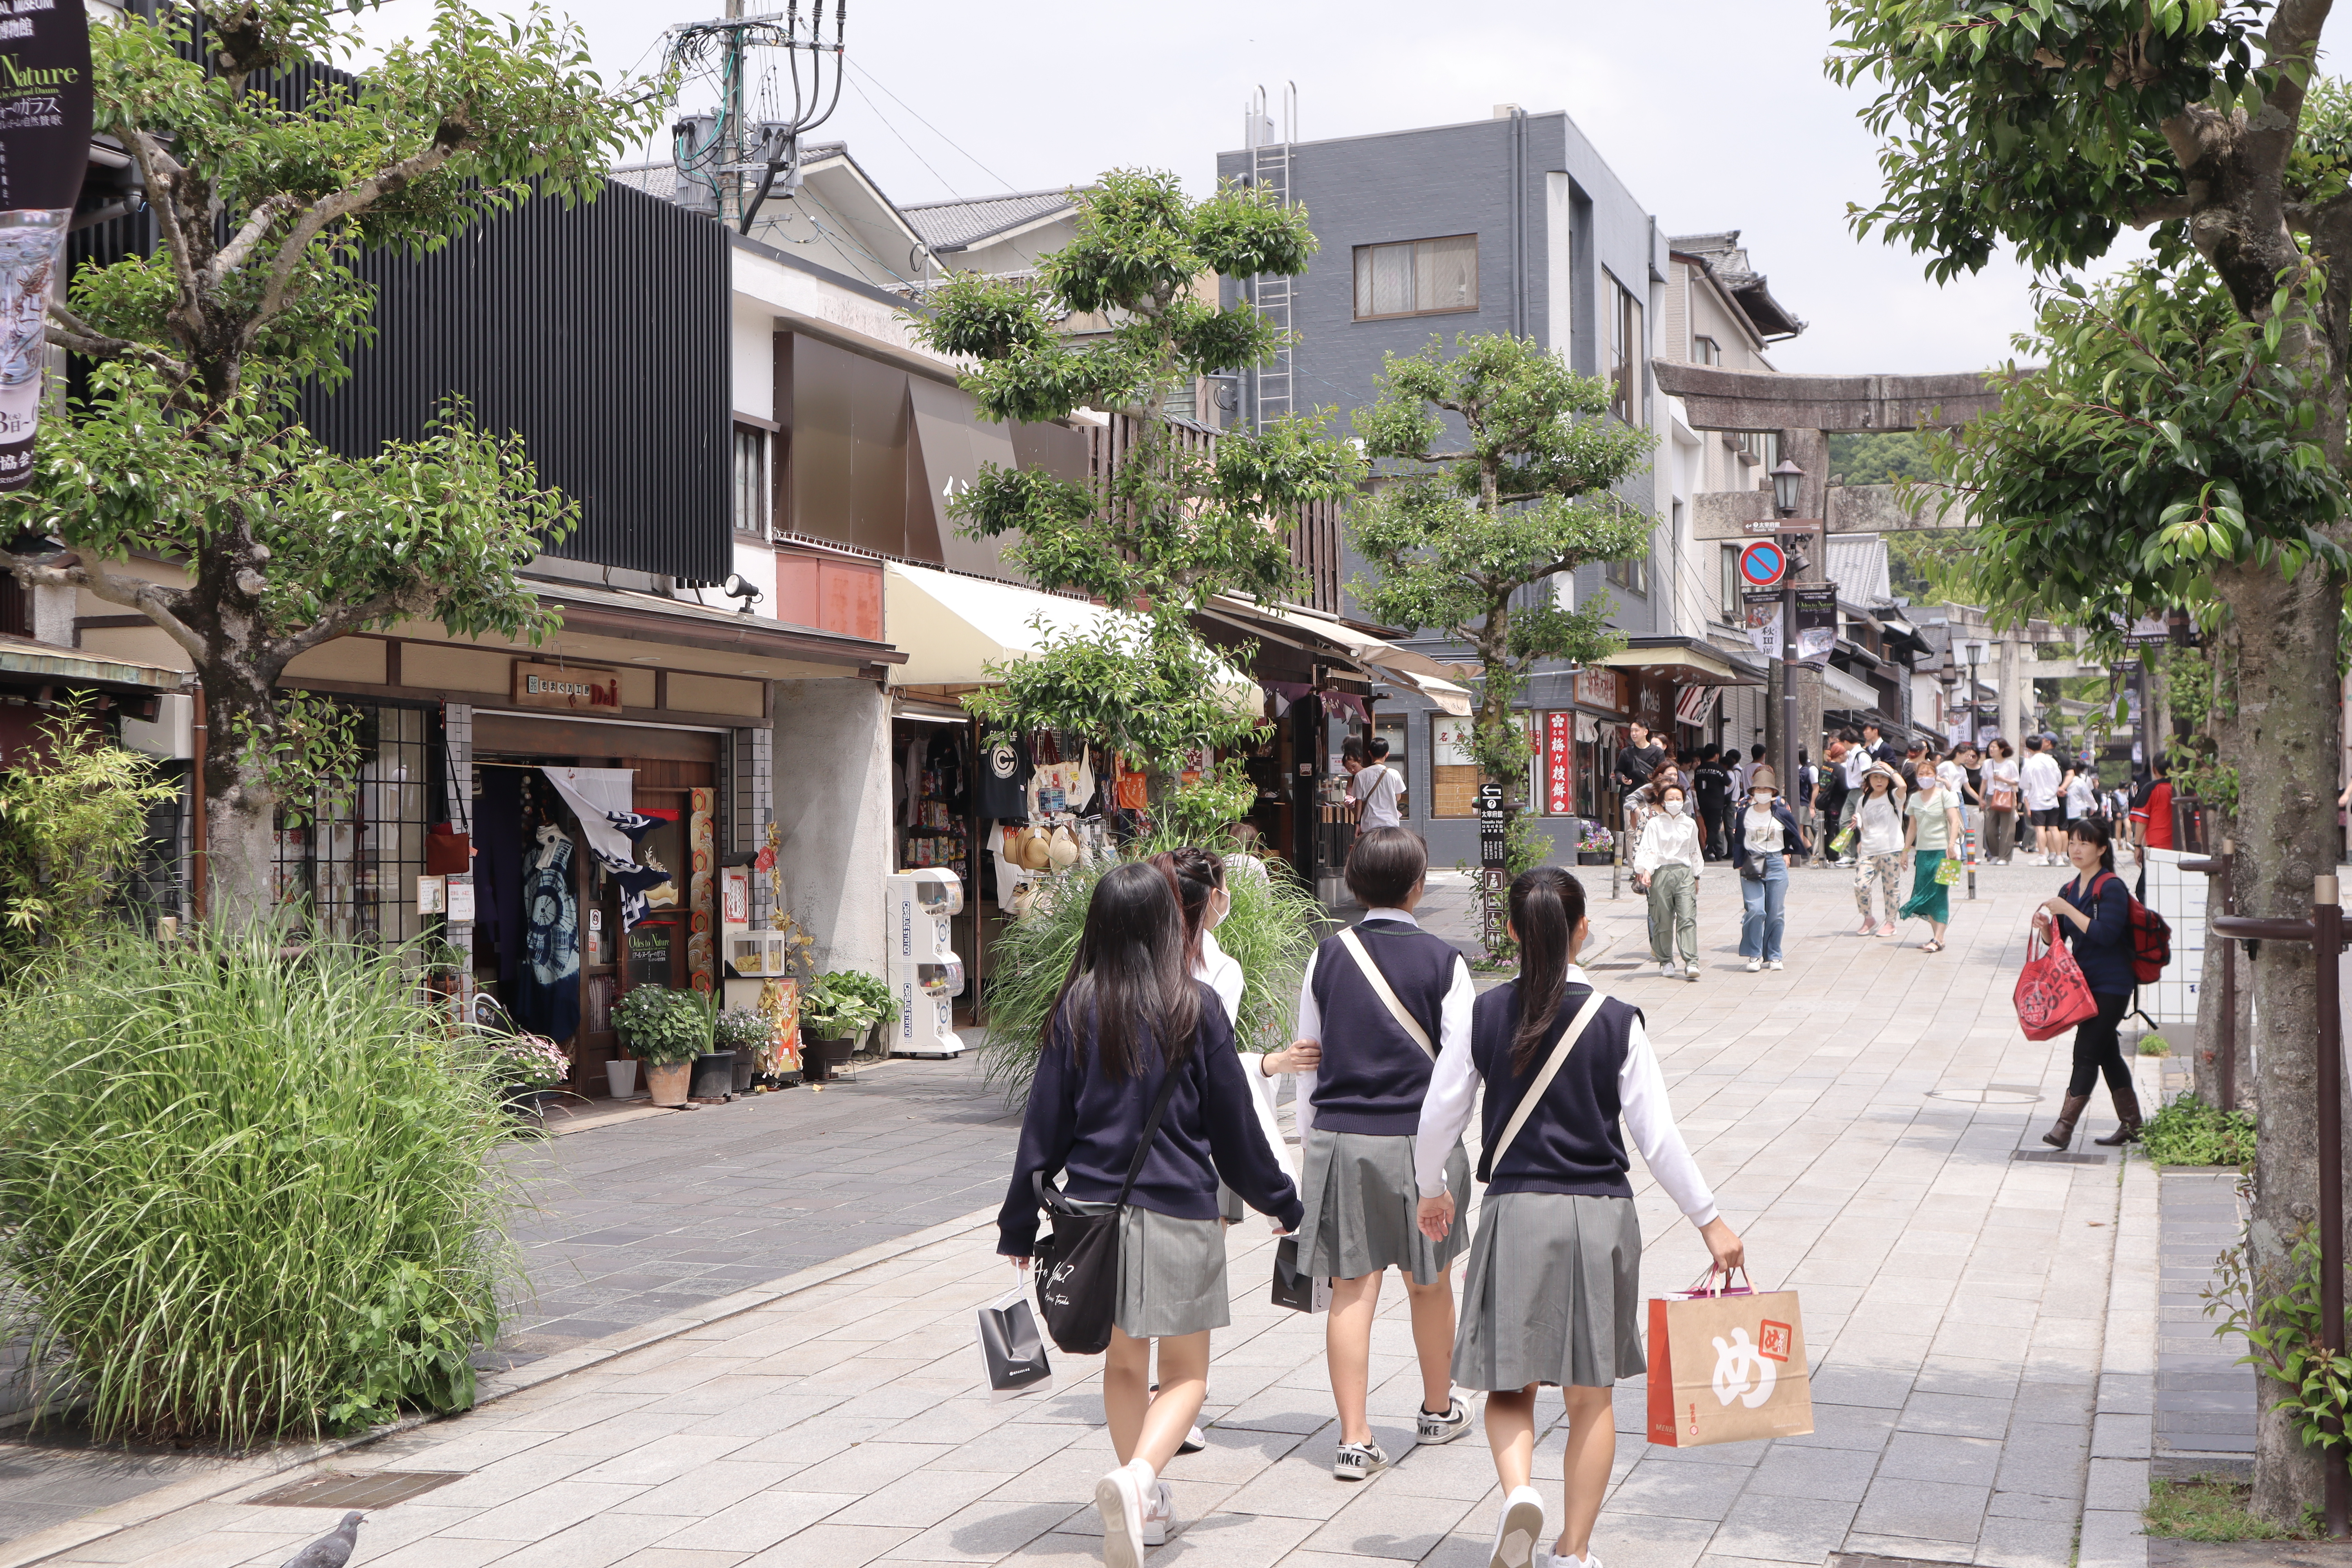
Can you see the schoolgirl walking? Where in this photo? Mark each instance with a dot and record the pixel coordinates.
(1139, 1104)
(1383, 1000)
(1552, 1295)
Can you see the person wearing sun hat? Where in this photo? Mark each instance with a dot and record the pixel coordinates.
(1763, 835)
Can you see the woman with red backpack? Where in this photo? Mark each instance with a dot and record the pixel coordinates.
(2093, 914)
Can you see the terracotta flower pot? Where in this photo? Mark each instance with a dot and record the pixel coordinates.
(666, 1081)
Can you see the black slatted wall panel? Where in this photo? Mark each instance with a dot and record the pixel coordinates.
(600, 335)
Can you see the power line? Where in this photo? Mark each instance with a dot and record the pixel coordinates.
(927, 125)
(909, 146)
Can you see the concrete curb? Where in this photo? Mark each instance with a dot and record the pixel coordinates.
(240, 1474)
(2123, 1429)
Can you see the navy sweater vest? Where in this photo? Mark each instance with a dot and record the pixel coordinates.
(1083, 1124)
(1374, 1078)
(1571, 1142)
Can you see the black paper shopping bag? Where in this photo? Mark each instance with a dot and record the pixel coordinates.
(1014, 1350)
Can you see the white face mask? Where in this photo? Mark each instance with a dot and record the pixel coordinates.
(1674, 807)
(1763, 799)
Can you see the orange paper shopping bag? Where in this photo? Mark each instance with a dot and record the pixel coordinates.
(1727, 1367)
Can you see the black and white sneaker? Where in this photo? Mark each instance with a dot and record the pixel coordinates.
(1428, 1428)
(1193, 1442)
(1359, 1461)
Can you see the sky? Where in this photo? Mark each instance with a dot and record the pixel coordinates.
(1716, 113)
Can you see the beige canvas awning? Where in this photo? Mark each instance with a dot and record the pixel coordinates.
(1687, 660)
(952, 627)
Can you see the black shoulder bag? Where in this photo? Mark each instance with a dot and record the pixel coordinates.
(1078, 1266)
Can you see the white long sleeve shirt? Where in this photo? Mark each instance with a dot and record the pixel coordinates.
(1223, 973)
(1453, 1016)
(1641, 1103)
(1666, 839)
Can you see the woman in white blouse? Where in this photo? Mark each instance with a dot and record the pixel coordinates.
(1667, 861)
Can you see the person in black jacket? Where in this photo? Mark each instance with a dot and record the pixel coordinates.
(1552, 1295)
(2092, 914)
(1712, 782)
(1129, 1014)
(1638, 760)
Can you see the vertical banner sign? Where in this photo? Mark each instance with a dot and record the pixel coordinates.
(1817, 625)
(1491, 838)
(1560, 759)
(45, 116)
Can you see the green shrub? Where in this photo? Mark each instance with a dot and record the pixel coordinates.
(661, 1026)
(2188, 1132)
(2155, 1046)
(73, 823)
(741, 1029)
(245, 1194)
(870, 989)
(1271, 930)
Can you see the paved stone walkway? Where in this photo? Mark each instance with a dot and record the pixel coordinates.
(1867, 1116)
(2204, 1399)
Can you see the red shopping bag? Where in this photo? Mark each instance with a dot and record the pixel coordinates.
(2052, 994)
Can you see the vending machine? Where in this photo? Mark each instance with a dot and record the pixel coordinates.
(925, 974)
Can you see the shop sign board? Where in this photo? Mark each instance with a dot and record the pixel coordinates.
(1490, 825)
(1560, 763)
(47, 101)
(1602, 688)
(1694, 705)
(457, 899)
(566, 688)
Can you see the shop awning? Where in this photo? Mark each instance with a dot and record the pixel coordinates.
(1298, 626)
(951, 628)
(1684, 659)
(23, 660)
(1839, 684)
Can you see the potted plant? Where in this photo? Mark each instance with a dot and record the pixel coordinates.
(1596, 845)
(876, 992)
(834, 1011)
(665, 1030)
(746, 1034)
(528, 1066)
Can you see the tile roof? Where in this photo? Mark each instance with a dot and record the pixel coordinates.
(957, 224)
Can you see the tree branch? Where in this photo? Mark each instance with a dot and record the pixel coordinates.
(2163, 212)
(160, 173)
(344, 618)
(2292, 40)
(159, 602)
(241, 247)
(72, 333)
(446, 140)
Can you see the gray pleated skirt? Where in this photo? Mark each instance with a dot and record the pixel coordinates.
(1171, 1273)
(1361, 1199)
(1553, 1293)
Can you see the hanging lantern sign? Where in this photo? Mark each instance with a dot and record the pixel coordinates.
(44, 118)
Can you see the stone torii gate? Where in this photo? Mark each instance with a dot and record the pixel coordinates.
(1806, 410)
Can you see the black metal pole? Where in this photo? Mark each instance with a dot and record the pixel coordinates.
(1788, 685)
(2228, 988)
(2326, 951)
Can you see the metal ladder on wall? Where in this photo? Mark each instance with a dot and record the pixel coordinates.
(1271, 396)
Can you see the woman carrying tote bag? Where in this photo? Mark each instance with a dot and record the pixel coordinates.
(1553, 1293)
(1130, 1031)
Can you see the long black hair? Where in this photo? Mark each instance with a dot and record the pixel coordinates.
(1546, 905)
(2090, 830)
(1194, 874)
(1129, 972)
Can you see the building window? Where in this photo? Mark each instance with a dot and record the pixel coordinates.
(1733, 606)
(1633, 575)
(1625, 341)
(750, 481)
(1417, 278)
(1454, 776)
(1706, 351)
(1761, 447)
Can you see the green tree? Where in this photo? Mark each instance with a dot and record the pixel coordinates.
(187, 448)
(73, 822)
(1509, 493)
(1174, 523)
(2186, 442)
(1879, 458)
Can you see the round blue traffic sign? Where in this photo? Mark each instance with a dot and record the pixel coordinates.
(1762, 563)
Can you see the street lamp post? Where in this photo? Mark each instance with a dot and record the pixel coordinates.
(1976, 652)
(1787, 480)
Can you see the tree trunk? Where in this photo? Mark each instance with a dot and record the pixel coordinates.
(2282, 641)
(241, 807)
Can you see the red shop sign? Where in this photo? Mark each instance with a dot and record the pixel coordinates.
(1559, 752)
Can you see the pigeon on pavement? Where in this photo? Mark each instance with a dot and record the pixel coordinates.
(331, 1550)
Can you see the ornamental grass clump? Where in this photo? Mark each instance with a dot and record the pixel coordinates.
(246, 1194)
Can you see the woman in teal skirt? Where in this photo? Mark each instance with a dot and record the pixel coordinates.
(1932, 832)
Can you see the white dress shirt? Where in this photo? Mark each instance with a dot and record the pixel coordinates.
(1223, 973)
(1642, 1103)
(1666, 839)
(1452, 1015)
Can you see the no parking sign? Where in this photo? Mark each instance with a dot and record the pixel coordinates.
(1763, 563)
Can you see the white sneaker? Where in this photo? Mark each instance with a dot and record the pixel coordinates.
(1665, 969)
(1159, 1515)
(1691, 973)
(1119, 1499)
(1518, 1531)
(1359, 1461)
(1754, 965)
(1431, 1430)
(1193, 1442)
(1774, 964)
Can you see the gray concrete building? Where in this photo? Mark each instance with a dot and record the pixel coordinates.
(1514, 224)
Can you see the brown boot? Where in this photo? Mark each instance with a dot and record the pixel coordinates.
(2061, 1135)
(2127, 1119)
